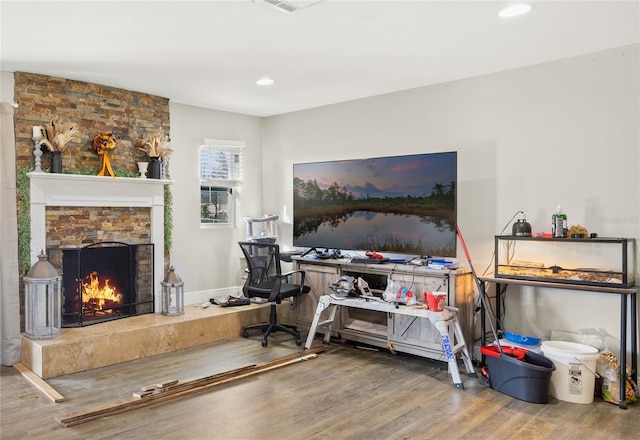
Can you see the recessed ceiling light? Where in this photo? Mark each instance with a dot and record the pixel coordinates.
(264, 82)
(515, 10)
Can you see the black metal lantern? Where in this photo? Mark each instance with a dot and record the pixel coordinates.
(172, 294)
(43, 296)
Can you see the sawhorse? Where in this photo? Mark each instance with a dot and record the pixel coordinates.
(446, 322)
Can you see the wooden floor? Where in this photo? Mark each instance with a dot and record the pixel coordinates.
(345, 393)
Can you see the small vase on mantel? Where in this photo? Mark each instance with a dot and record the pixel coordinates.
(56, 162)
(142, 169)
(154, 170)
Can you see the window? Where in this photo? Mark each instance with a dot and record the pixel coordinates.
(220, 178)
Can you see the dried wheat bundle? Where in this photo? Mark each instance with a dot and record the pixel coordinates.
(157, 144)
(57, 137)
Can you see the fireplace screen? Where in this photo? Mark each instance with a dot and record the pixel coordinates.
(104, 281)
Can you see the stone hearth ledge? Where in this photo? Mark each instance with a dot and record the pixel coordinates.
(98, 345)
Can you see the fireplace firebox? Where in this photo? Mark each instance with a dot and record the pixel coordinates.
(104, 281)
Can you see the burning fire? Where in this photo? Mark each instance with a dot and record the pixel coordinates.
(99, 297)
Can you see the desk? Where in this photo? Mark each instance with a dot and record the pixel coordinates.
(409, 335)
(628, 301)
(446, 322)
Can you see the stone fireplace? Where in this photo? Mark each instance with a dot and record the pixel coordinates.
(62, 202)
(130, 210)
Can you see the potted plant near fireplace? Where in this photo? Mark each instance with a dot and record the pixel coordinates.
(56, 138)
(157, 146)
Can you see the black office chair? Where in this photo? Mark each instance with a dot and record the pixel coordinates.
(266, 280)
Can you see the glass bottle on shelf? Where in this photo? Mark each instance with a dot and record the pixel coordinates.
(559, 226)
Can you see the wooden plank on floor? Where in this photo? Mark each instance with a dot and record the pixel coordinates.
(43, 386)
(191, 387)
(177, 386)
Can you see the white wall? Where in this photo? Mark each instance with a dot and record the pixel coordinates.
(209, 259)
(6, 87)
(561, 132)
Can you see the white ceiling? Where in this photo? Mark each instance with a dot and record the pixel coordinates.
(210, 53)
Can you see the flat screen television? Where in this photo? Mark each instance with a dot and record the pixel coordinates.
(398, 204)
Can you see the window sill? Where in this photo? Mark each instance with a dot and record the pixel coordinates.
(216, 226)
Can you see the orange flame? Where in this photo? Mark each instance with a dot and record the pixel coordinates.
(97, 296)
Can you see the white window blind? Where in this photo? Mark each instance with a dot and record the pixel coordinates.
(221, 163)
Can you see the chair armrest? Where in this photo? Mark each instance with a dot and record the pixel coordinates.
(291, 273)
(288, 274)
(284, 276)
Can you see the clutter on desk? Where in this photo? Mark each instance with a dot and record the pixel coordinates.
(373, 257)
(369, 260)
(399, 294)
(374, 254)
(433, 263)
(435, 300)
(440, 263)
(342, 286)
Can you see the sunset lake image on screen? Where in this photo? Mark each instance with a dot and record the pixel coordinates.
(400, 204)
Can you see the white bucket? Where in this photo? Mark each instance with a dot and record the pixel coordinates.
(574, 378)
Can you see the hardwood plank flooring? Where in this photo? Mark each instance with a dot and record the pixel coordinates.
(344, 393)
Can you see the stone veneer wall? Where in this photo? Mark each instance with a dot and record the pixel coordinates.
(78, 227)
(128, 115)
(95, 108)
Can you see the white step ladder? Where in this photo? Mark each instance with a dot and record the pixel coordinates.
(446, 322)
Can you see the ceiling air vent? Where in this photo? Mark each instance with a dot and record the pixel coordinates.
(283, 6)
(291, 6)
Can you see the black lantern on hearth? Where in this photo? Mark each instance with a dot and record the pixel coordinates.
(172, 294)
(43, 296)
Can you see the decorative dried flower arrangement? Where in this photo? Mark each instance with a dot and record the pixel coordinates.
(57, 136)
(103, 141)
(157, 144)
(102, 145)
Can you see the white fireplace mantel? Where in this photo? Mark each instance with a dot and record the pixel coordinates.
(50, 189)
